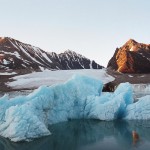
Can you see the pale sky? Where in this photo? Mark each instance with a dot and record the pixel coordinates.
(93, 28)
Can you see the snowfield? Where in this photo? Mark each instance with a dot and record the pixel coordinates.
(47, 77)
(24, 118)
(7, 73)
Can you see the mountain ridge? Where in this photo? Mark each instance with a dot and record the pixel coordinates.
(17, 55)
(132, 57)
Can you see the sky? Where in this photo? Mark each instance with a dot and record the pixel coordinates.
(93, 28)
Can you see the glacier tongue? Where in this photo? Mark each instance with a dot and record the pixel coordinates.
(28, 117)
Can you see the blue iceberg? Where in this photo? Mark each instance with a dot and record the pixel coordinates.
(139, 110)
(81, 97)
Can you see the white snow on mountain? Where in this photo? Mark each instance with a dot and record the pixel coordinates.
(18, 53)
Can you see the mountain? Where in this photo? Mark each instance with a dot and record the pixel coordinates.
(17, 55)
(132, 57)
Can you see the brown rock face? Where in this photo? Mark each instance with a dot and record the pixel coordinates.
(133, 57)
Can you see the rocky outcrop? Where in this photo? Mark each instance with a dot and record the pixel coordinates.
(17, 55)
(133, 57)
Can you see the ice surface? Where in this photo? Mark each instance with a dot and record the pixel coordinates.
(139, 110)
(28, 117)
(111, 106)
(141, 88)
(23, 117)
(70, 98)
(47, 77)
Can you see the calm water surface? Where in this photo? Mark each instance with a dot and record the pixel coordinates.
(88, 135)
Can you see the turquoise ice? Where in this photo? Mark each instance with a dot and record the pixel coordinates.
(81, 97)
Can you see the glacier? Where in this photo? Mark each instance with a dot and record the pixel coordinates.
(24, 118)
(48, 77)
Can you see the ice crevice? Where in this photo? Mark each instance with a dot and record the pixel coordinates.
(24, 118)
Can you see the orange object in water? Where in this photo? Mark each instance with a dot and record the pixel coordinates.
(135, 136)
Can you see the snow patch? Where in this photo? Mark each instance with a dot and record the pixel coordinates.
(132, 48)
(5, 62)
(130, 76)
(8, 73)
(91, 64)
(46, 57)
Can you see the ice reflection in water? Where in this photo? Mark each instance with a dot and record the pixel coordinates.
(88, 135)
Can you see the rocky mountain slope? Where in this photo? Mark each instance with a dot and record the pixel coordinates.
(132, 57)
(17, 55)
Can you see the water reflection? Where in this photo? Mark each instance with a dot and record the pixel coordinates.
(88, 135)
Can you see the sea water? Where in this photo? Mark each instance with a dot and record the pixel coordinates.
(88, 135)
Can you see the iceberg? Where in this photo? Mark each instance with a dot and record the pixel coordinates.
(139, 110)
(110, 106)
(27, 117)
(24, 118)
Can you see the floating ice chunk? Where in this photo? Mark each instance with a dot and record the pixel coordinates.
(27, 117)
(23, 123)
(70, 97)
(110, 106)
(127, 91)
(139, 110)
(105, 110)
